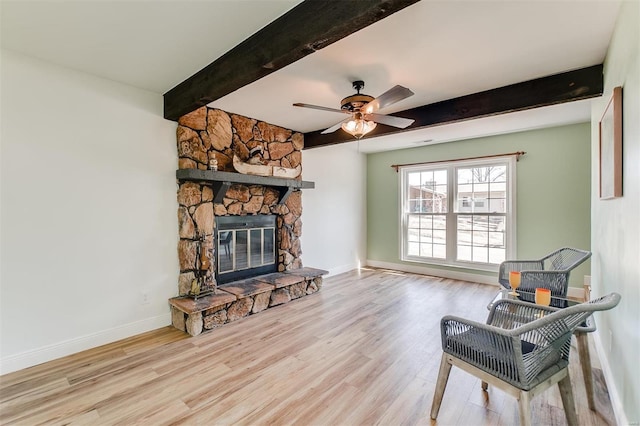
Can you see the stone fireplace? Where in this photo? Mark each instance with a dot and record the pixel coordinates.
(217, 207)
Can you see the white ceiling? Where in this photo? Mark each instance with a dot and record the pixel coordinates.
(439, 49)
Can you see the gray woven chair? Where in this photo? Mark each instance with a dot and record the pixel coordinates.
(523, 350)
(552, 271)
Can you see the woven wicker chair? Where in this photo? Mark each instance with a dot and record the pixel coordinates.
(523, 350)
(552, 271)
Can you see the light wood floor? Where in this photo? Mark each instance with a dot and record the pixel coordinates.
(364, 350)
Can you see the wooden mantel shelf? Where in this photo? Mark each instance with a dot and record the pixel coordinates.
(221, 181)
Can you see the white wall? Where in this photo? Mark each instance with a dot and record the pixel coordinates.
(615, 224)
(88, 212)
(334, 213)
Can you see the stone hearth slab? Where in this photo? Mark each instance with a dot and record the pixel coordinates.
(190, 306)
(307, 272)
(280, 279)
(238, 299)
(247, 287)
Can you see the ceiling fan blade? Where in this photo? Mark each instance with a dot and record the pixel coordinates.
(321, 108)
(390, 120)
(391, 96)
(335, 127)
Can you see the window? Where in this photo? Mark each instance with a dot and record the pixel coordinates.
(459, 213)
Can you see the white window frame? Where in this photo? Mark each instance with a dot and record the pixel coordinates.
(451, 240)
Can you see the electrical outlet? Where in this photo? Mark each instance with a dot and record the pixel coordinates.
(145, 299)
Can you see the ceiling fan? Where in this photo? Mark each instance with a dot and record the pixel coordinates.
(362, 110)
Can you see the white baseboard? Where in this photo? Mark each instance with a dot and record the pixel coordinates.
(616, 402)
(37, 356)
(573, 292)
(341, 269)
(436, 272)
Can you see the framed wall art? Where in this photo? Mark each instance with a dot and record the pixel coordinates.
(611, 147)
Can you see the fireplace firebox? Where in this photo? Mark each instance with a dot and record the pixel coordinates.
(245, 247)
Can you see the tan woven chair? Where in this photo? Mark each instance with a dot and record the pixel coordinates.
(523, 350)
(551, 272)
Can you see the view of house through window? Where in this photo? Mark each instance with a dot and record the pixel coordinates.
(458, 213)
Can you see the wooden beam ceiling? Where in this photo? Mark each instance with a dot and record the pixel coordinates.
(310, 26)
(554, 89)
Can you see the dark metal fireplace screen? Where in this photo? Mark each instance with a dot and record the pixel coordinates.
(245, 246)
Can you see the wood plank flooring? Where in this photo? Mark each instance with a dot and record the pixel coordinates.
(364, 350)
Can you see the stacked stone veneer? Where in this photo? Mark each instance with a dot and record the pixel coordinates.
(207, 134)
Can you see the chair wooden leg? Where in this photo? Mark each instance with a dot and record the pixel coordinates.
(524, 408)
(585, 363)
(441, 384)
(567, 400)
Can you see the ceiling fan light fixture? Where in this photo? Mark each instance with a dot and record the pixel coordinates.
(363, 111)
(357, 126)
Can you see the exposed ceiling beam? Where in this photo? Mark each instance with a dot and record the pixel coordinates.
(310, 26)
(554, 89)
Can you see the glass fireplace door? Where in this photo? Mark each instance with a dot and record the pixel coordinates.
(246, 246)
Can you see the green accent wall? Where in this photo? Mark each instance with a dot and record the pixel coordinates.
(553, 191)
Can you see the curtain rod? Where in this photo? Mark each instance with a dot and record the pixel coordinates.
(517, 154)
